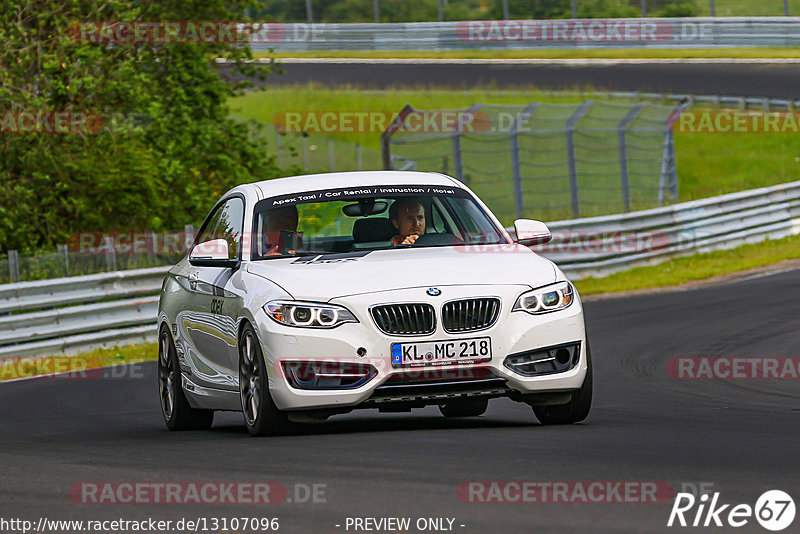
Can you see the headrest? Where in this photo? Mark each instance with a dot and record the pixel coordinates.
(377, 229)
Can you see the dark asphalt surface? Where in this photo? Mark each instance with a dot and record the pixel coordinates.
(740, 435)
(769, 80)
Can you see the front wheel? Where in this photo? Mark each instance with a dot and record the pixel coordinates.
(178, 414)
(261, 415)
(577, 409)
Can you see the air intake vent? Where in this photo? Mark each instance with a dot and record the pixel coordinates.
(405, 319)
(470, 314)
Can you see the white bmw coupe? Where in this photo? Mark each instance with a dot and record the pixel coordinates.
(312, 296)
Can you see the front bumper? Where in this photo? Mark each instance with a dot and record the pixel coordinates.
(363, 343)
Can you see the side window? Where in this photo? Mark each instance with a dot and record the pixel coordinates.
(226, 223)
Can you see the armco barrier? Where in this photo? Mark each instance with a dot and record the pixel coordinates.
(68, 315)
(530, 34)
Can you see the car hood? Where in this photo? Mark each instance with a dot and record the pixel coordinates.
(323, 278)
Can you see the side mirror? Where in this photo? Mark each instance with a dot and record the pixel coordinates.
(531, 232)
(214, 253)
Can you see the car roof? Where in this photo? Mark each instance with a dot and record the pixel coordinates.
(336, 180)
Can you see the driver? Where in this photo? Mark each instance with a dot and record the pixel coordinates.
(408, 217)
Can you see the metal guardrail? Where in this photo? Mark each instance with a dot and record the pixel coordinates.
(529, 34)
(68, 315)
(599, 246)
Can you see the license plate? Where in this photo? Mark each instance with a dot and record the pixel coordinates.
(453, 352)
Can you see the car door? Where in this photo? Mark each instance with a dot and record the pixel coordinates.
(209, 322)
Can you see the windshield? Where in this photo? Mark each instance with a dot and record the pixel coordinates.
(369, 218)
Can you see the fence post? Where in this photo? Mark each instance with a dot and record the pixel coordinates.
(63, 250)
(359, 164)
(573, 169)
(152, 246)
(711, 7)
(110, 253)
(386, 136)
(13, 266)
(331, 158)
(280, 148)
(574, 5)
(506, 13)
(309, 12)
(305, 153)
(785, 8)
(644, 8)
(458, 164)
(516, 165)
(440, 9)
(623, 154)
(376, 8)
(669, 164)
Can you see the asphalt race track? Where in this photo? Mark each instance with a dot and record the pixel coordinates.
(739, 435)
(768, 79)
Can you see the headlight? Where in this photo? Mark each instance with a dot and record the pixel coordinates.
(308, 314)
(546, 299)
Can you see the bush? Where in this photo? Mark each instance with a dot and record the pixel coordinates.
(158, 173)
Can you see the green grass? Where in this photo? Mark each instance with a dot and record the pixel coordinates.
(547, 53)
(708, 164)
(695, 268)
(96, 359)
(747, 8)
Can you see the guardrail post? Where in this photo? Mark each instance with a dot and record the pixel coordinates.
(13, 266)
(331, 158)
(516, 166)
(458, 165)
(63, 250)
(573, 169)
(623, 154)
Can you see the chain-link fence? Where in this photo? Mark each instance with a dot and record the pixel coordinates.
(318, 153)
(547, 161)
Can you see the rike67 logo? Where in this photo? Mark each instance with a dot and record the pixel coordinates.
(774, 510)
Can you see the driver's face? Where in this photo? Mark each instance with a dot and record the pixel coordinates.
(410, 220)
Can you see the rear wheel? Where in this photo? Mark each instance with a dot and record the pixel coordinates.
(577, 409)
(261, 415)
(464, 408)
(178, 414)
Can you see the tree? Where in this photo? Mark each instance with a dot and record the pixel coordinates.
(171, 149)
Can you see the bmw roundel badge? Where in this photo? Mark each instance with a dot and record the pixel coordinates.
(434, 292)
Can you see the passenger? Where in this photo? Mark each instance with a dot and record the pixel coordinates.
(408, 217)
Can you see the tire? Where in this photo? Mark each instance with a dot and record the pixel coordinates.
(464, 408)
(261, 416)
(577, 409)
(177, 413)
